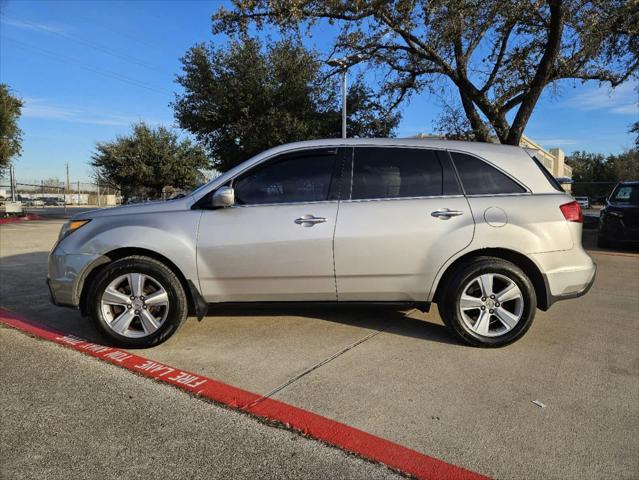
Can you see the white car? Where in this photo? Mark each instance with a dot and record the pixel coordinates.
(482, 230)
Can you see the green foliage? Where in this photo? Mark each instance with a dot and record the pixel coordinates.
(589, 167)
(10, 133)
(245, 98)
(635, 129)
(595, 175)
(144, 162)
(625, 166)
(498, 56)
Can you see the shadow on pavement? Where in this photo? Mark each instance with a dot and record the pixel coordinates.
(393, 319)
(23, 290)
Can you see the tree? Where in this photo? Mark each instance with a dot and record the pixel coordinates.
(596, 175)
(243, 99)
(589, 167)
(453, 124)
(635, 129)
(498, 55)
(10, 133)
(147, 160)
(625, 166)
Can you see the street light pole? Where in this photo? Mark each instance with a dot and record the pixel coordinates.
(343, 65)
(344, 70)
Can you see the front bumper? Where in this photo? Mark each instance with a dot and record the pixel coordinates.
(619, 233)
(67, 273)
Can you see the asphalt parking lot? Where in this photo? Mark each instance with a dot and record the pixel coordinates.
(396, 374)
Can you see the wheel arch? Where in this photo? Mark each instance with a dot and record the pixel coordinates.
(522, 261)
(196, 306)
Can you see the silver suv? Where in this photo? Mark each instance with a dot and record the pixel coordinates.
(482, 230)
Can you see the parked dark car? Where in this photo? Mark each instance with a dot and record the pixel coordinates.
(619, 219)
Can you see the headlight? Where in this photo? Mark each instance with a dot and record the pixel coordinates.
(70, 227)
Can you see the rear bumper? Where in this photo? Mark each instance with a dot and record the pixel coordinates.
(567, 274)
(567, 296)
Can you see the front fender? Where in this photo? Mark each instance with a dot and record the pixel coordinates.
(172, 235)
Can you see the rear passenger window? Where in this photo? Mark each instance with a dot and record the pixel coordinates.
(395, 173)
(479, 178)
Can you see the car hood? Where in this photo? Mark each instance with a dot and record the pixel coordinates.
(137, 208)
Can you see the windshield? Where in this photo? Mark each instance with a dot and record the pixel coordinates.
(628, 194)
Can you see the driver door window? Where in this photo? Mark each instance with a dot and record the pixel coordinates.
(289, 180)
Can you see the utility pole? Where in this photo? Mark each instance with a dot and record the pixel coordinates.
(344, 103)
(12, 180)
(97, 180)
(78, 192)
(66, 189)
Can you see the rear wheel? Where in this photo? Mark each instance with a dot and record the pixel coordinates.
(489, 302)
(137, 302)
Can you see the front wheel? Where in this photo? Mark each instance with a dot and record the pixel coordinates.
(137, 302)
(489, 302)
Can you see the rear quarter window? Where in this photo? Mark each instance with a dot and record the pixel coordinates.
(552, 180)
(480, 178)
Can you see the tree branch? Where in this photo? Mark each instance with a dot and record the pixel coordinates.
(539, 81)
(500, 57)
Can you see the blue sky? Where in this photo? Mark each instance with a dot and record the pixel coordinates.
(88, 69)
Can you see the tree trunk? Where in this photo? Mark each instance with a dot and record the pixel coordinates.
(540, 79)
(476, 123)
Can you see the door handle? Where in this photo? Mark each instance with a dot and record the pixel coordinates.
(445, 213)
(309, 220)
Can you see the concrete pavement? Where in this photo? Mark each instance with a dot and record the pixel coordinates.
(65, 415)
(408, 380)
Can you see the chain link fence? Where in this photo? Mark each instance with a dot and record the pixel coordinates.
(40, 193)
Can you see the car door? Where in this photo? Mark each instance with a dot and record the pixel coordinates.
(276, 242)
(404, 218)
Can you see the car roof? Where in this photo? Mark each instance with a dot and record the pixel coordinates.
(437, 143)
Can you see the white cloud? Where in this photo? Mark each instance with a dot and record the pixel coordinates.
(621, 100)
(40, 109)
(40, 27)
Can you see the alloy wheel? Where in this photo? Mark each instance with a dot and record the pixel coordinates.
(491, 305)
(134, 305)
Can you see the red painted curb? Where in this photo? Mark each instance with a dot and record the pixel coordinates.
(321, 428)
(31, 216)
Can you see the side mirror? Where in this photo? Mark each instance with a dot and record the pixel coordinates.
(223, 197)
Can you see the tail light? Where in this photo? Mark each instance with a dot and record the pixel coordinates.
(572, 212)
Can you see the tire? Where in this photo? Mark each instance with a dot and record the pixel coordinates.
(497, 327)
(138, 321)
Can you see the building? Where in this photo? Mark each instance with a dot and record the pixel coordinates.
(553, 159)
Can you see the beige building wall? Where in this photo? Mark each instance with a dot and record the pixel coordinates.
(554, 159)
